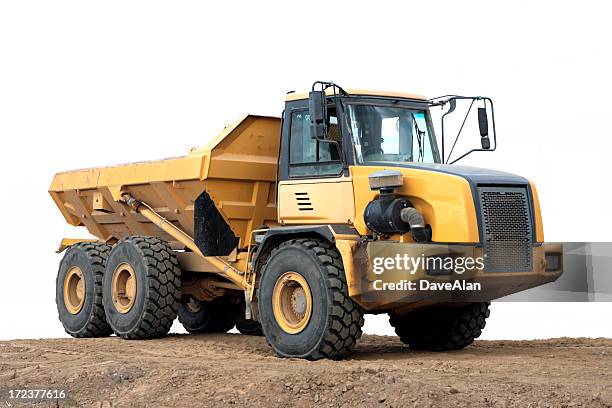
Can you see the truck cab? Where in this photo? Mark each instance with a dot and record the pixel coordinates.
(368, 128)
(368, 164)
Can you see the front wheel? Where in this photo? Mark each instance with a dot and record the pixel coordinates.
(304, 304)
(441, 329)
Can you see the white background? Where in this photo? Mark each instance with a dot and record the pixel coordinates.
(86, 84)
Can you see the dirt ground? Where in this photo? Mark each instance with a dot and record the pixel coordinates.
(236, 370)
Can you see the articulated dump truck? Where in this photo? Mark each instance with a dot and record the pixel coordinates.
(295, 227)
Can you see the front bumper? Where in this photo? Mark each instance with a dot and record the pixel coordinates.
(385, 275)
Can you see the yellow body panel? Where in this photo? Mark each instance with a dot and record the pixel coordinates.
(316, 201)
(445, 201)
(68, 242)
(236, 168)
(537, 216)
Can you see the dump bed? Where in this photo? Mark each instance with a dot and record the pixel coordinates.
(237, 170)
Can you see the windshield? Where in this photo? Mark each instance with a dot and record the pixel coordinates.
(391, 134)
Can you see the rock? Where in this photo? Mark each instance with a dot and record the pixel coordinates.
(316, 398)
(382, 399)
(453, 390)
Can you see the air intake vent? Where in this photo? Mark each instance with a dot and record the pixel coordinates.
(507, 228)
(303, 201)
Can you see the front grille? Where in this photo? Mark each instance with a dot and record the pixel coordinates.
(507, 228)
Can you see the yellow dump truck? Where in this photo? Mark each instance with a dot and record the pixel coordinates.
(294, 227)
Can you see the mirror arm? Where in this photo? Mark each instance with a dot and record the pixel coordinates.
(494, 134)
(443, 100)
(340, 113)
(460, 129)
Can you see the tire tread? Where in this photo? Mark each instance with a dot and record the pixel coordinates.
(97, 326)
(163, 294)
(456, 328)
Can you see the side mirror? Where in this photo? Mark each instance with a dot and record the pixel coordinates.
(483, 125)
(485, 143)
(316, 109)
(483, 122)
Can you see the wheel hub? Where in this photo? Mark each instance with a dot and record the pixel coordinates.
(298, 301)
(74, 290)
(292, 302)
(124, 287)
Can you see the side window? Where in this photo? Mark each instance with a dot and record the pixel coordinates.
(308, 156)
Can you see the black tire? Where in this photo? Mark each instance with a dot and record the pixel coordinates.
(441, 329)
(90, 321)
(249, 327)
(335, 322)
(158, 283)
(216, 316)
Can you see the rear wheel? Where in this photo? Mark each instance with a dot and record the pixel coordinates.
(304, 304)
(441, 329)
(78, 293)
(141, 287)
(215, 316)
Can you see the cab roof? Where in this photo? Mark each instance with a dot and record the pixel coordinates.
(296, 96)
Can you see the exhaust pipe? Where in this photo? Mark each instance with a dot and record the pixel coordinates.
(420, 233)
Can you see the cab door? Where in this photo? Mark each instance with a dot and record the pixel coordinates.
(315, 185)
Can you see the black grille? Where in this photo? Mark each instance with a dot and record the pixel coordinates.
(507, 228)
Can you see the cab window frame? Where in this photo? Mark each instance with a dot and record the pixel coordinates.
(393, 103)
(286, 169)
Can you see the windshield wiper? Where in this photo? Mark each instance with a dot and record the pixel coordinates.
(419, 134)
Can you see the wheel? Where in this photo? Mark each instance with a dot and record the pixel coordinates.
(441, 329)
(78, 290)
(141, 287)
(216, 316)
(304, 306)
(249, 327)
